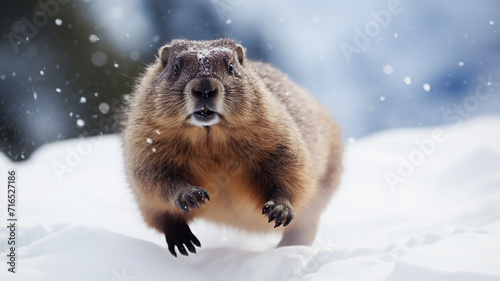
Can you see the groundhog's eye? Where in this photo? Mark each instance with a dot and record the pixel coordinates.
(231, 69)
(176, 70)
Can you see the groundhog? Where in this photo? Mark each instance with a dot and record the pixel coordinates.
(211, 134)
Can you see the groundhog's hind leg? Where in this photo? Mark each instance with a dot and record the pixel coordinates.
(302, 230)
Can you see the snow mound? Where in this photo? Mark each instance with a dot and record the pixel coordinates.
(439, 221)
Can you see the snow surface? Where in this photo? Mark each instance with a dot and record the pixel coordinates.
(442, 223)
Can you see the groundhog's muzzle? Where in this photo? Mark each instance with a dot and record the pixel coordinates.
(204, 101)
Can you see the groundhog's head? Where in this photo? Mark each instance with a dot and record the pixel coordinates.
(202, 83)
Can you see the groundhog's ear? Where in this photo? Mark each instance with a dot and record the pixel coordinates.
(164, 53)
(240, 52)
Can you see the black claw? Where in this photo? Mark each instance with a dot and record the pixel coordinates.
(190, 247)
(283, 215)
(206, 195)
(193, 203)
(195, 240)
(265, 210)
(280, 218)
(182, 250)
(171, 248)
(278, 223)
(271, 218)
(185, 208)
(288, 220)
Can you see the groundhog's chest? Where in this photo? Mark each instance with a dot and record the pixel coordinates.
(235, 199)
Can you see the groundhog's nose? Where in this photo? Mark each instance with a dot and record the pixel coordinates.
(204, 89)
(204, 93)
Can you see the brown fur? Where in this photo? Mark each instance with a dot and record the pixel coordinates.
(273, 150)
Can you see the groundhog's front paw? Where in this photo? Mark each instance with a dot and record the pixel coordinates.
(179, 234)
(282, 212)
(191, 198)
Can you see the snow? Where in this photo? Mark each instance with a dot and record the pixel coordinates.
(442, 223)
(104, 108)
(99, 58)
(387, 69)
(80, 123)
(135, 55)
(426, 87)
(93, 38)
(407, 80)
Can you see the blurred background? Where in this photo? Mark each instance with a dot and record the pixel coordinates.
(67, 66)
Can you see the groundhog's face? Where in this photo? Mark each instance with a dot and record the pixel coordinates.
(202, 82)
